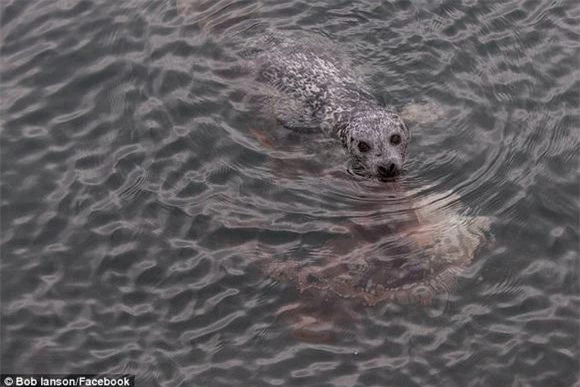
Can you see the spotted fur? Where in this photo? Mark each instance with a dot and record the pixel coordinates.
(320, 90)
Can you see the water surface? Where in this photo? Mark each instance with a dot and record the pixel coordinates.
(133, 184)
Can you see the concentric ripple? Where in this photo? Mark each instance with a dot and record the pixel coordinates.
(156, 221)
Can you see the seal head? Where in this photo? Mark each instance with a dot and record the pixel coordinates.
(377, 141)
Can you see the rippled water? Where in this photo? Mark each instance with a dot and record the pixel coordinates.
(139, 188)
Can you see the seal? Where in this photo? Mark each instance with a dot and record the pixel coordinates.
(320, 90)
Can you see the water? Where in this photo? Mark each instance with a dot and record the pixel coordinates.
(136, 186)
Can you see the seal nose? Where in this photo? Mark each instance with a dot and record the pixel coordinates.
(388, 170)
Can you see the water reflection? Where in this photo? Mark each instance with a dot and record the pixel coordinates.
(142, 217)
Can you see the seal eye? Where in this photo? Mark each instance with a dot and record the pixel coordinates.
(363, 147)
(395, 139)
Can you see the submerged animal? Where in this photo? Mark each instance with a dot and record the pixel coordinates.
(318, 89)
(439, 246)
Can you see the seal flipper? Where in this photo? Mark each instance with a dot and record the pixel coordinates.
(297, 116)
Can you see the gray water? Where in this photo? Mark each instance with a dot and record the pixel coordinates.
(134, 186)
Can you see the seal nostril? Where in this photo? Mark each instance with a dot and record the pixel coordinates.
(390, 170)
